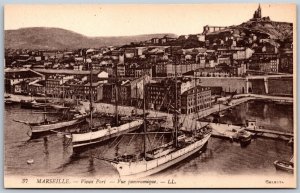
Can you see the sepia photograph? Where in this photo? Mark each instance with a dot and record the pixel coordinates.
(150, 95)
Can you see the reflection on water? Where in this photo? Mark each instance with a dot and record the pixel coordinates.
(52, 157)
(269, 115)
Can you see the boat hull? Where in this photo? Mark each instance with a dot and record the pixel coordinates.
(26, 105)
(82, 141)
(146, 168)
(37, 130)
(10, 102)
(284, 167)
(245, 141)
(231, 132)
(33, 105)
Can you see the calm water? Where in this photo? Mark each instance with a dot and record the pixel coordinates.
(221, 157)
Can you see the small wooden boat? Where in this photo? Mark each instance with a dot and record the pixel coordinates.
(30, 161)
(244, 137)
(286, 166)
(7, 96)
(32, 104)
(26, 104)
(232, 132)
(9, 102)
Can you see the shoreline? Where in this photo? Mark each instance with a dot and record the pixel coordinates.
(186, 120)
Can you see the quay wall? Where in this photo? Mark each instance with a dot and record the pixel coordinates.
(276, 86)
(186, 120)
(257, 86)
(281, 86)
(228, 84)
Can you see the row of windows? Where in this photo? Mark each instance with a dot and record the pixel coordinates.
(156, 97)
(202, 102)
(156, 88)
(80, 97)
(199, 99)
(192, 110)
(156, 93)
(190, 98)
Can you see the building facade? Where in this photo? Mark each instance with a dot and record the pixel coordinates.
(161, 95)
(13, 78)
(195, 100)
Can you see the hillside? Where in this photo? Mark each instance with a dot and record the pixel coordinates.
(57, 38)
(275, 30)
(278, 31)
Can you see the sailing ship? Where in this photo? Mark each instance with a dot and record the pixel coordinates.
(184, 144)
(45, 126)
(85, 138)
(40, 128)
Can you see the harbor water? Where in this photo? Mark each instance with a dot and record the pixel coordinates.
(54, 157)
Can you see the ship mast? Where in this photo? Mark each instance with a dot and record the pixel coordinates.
(91, 160)
(176, 108)
(91, 98)
(144, 114)
(116, 97)
(195, 104)
(45, 118)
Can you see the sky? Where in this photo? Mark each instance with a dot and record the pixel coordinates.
(130, 19)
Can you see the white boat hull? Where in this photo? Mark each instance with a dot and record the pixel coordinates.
(54, 126)
(145, 168)
(227, 131)
(85, 139)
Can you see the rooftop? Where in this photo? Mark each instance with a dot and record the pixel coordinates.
(67, 72)
(21, 73)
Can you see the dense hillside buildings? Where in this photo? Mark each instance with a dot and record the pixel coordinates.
(221, 58)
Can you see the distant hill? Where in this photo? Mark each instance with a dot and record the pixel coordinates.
(267, 28)
(275, 30)
(57, 38)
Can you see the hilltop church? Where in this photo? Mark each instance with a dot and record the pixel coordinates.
(257, 15)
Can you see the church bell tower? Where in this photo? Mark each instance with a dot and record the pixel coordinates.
(259, 11)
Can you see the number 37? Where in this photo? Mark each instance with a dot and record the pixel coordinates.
(25, 180)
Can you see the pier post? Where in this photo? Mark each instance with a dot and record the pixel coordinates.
(266, 85)
(247, 85)
(46, 145)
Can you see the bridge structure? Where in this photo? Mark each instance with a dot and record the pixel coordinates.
(210, 29)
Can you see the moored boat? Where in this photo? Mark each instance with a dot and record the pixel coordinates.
(184, 144)
(33, 104)
(9, 102)
(99, 134)
(286, 166)
(244, 137)
(46, 126)
(138, 168)
(95, 135)
(233, 132)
